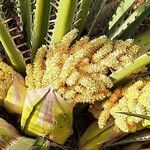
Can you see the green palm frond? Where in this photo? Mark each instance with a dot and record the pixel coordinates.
(94, 13)
(82, 15)
(11, 50)
(25, 13)
(122, 9)
(64, 19)
(127, 26)
(40, 25)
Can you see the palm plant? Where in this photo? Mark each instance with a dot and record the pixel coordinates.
(50, 70)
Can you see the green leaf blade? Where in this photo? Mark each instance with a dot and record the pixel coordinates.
(135, 115)
(83, 13)
(11, 50)
(64, 19)
(95, 12)
(24, 7)
(120, 12)
(130, 25)
(40, 27)
(130, 68)
(94, 138)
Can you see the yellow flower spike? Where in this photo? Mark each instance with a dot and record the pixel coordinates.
(15, 96)
(106, 48)
(133, 98)
(12, 89)
(144, 101)
(80, 73)
(5, 79)
(39, 64)
(69, 37)
(63, 45)
(105, 114)
(45, 113)
(79, 44)
(29, 78)
(73, 78)
(53, 68)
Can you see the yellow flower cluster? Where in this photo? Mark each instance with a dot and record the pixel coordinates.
(103, 113)
(6, 79)
(80, 72)
(134, 99)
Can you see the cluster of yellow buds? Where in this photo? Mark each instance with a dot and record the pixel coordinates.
(80, 72)
(12, 89)
(134, 98)
(6, 78)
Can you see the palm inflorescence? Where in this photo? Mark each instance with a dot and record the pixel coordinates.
(56, 54)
